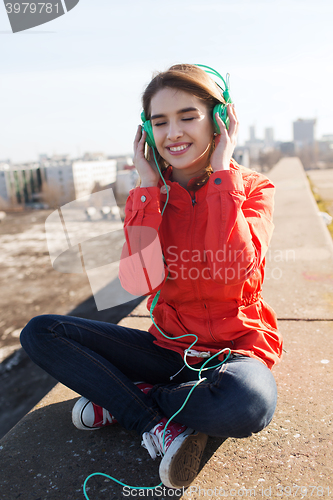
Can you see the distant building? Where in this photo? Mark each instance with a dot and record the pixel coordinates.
(56, 180)
(59, 181)
(304, 133)
(252, 133)
(242, 156)
(269, 137)
(325, 146)
(328, 138)
(254, 145)
(68, 180)
(88, 175)
(287, 148)
(94, 157)
(4, 184)
(126, 180)
(124, 163)
(24, 183)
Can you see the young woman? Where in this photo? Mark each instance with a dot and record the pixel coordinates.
(213, 237)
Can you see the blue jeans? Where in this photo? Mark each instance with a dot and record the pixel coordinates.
(102, 360)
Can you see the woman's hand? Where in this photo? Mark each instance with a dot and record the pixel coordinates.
(225, 142)
(147, 169)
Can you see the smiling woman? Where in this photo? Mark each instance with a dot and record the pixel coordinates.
(179, 102)
(208, 220)
(183, 132)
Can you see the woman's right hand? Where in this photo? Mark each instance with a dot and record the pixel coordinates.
(147, 169)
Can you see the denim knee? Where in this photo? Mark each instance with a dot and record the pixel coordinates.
(248, 397)
(34, 332)
(259, 407)
(260, 414)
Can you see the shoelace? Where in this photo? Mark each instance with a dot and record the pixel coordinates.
(150, 442)
(167, 438)
(153, 441)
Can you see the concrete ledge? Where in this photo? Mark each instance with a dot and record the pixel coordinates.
(45, 457)
(299, 272)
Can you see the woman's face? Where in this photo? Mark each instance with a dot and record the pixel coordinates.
(182, 128)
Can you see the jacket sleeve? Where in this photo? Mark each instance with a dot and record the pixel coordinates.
(239, 225)
(141, 268)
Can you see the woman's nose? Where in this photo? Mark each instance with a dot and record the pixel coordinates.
(174, 131)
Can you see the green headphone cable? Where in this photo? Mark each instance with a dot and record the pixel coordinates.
(200, 370)
(186, 352)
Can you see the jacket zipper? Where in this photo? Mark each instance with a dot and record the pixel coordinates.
(191, 233)
(209, 328)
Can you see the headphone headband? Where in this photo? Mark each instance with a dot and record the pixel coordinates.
(225, 91)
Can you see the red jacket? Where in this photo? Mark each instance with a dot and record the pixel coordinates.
(214, 243)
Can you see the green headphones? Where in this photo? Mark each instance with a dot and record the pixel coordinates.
(220, 108)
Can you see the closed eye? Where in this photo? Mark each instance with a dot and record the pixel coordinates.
(183, 119)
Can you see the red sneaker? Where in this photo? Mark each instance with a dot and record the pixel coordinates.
(87, 416)
(182, 452)
(144, 387)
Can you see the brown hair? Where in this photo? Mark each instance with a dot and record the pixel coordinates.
(191, 79)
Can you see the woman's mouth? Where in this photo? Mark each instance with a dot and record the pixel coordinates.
(179, 149)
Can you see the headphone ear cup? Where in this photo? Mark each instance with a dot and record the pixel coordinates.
(147, 126)
(221, 109)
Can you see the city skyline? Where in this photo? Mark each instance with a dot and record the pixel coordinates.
(267, 138)
(74, 85)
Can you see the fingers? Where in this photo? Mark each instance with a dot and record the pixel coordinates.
(139, 135)
(234, 123)
(139, 141)
(151, 156)
(221, 124)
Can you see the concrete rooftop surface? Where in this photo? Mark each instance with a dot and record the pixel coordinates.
(44, 457)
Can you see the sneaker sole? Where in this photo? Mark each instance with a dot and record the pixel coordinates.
(180, 465)
(76, 415)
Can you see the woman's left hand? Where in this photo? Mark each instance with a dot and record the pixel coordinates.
(225, 142)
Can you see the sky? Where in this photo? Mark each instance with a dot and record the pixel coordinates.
(74, 85)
